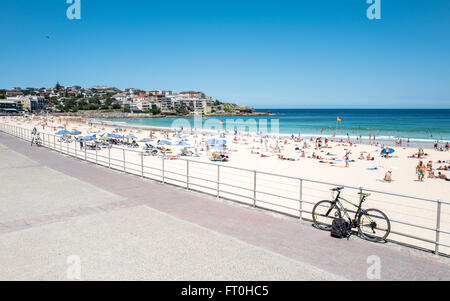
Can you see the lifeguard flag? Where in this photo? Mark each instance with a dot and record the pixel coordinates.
(339, 119)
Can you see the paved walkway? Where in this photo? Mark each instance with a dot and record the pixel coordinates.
(54, 208)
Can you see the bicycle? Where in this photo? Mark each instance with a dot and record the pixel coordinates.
(372, 224)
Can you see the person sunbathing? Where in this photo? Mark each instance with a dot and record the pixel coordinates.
(388, 176)
(442, 176)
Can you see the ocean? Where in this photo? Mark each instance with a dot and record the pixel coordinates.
(415, 124)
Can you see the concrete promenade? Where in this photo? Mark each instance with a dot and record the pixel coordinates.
(54, 208)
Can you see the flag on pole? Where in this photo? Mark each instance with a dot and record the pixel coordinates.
(339, 118)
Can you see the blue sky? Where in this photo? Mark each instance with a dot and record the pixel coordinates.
(268, 54)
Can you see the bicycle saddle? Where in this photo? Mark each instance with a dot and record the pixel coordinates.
(364, 194)
(337, 188)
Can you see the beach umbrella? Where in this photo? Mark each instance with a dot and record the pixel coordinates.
(60, 127)
(131, 137)
(146, 140)
(115, 136)
(104, 138)
(63, 132)
(218, 147)
(164, 142)
(182, 143)
(217, 141)
(387, 151)
(75, 133)
(88, 138)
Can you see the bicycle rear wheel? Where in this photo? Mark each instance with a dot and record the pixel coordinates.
(374, 225)
(323, 214)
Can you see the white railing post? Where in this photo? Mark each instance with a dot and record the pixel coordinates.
(123, 159)
(96, 154)
(162, 157)
(300, 201)
(438, 226)
(218, 180)
(254, 188)
(187, 174)
(109, 156)
(142, 164)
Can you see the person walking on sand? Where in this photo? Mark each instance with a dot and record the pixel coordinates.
(346, 158)
(420, 169)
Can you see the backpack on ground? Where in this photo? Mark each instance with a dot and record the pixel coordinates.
(339, 228)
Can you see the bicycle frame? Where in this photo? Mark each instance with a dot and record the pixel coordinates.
(337, 201)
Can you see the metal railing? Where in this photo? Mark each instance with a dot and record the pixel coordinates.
(419, 223)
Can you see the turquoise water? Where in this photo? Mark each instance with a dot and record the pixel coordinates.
(414, 124)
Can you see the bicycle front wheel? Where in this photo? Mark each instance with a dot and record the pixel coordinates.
(374, 225)
(323, 214)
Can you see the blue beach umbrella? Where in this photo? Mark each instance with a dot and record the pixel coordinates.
(87, 138)
(164, 142)
(217, 141)
(182, 143)
(60, 127)
(387, 151)
(131, 137)
(218, 147)
(63, 132)
(75, 133)
(146, 140)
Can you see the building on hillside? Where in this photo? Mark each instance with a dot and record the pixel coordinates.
(194, 94)
(8, 106)
(121, 97)
(14, 93)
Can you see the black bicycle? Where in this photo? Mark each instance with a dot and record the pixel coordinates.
(372, 224)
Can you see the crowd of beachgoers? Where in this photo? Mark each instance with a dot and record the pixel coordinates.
(334, 159)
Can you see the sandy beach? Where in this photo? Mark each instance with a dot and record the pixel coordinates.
(295, 158)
